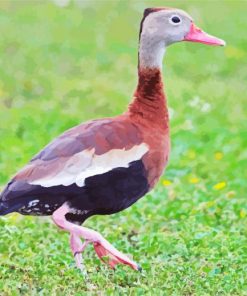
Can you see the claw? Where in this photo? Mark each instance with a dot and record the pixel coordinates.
(139, 268)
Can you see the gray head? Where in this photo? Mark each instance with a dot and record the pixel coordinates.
(161, 27)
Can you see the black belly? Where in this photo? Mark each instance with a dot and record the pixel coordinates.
(106, 193)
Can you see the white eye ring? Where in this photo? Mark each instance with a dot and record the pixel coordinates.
(175, 20)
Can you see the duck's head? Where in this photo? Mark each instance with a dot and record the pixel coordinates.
(161, 27)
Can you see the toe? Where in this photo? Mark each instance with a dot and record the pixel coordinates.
(113, 259)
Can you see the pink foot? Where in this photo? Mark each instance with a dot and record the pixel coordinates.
(102, 247)
(77, 247)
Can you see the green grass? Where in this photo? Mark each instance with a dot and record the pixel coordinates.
(61, 66)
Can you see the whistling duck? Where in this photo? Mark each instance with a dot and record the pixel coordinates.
(104, 166)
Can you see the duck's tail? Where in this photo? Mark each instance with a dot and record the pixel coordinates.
(7, 205)
(3, 208)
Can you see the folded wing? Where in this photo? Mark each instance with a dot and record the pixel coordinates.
(90, 149)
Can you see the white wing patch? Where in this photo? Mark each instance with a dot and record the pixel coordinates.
(67, 174)
(86, 164)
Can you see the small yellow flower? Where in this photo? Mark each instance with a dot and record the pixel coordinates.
(166, 183)
(194, 180)
(210, 203)
(14, 217)
(218, 155)
(191, 154)
(234, 52)
(242, 213)
(2, 93)
(219, 185)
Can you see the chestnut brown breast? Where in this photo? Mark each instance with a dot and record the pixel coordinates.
(149, 112)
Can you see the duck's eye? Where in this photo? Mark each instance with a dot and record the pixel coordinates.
(175, 20)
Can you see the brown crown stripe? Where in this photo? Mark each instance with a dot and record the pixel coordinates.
(149, 10)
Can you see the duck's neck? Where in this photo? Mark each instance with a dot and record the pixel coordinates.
(149, 103)
(151, 52)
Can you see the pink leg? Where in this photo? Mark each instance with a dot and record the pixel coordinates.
(77, 247)
(101, 245)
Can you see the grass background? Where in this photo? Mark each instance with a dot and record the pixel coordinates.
(64, 64)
